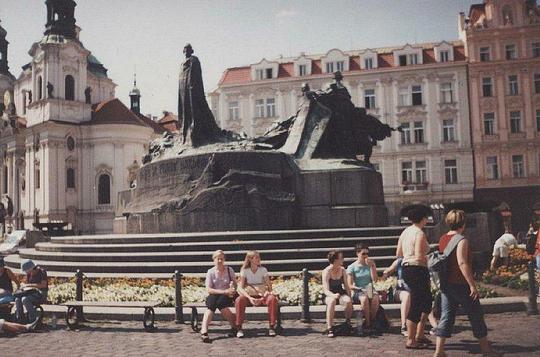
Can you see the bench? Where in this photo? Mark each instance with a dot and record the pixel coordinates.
(195, 315)
(148, 306)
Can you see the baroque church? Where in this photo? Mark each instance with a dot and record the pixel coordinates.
(68, 146)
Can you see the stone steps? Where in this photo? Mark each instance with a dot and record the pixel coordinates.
(346, 243)
(159, 255)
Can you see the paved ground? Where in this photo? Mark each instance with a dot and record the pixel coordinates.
(515, 334)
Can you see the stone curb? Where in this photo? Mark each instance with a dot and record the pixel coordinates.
(491, 306)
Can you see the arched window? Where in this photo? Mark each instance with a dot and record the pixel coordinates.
(40, 87)
(70, 87)
(5, 183)
(104, 189)
(70, 177)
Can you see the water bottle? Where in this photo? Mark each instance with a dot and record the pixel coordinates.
(359, 322)
(370, 291)
(54, 321)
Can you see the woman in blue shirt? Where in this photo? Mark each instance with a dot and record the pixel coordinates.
(361, 275)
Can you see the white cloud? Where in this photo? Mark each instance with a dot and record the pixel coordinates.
(286, 14)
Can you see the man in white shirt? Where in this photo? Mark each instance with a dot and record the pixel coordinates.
(502, 248)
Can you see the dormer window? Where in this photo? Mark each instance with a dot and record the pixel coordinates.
(368, 63)
(302, 66)
(264, 70)
(302, 70)
(335, 60)
(264, 73)
(331, 67)
(413, 58)
(443, 56)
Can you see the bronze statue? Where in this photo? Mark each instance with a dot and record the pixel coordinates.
(198, 124)
(328, 125)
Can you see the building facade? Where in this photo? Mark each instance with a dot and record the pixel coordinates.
(421, 87)
(68, 146)
(503, 46)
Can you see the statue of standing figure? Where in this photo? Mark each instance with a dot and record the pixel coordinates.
(198, 124)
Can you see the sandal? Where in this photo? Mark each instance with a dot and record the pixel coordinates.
(205, 338)
(331, 333)
(418, 346)
(424, 340)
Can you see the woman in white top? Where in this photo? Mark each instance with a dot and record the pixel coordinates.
(414, 247)
(255, 289)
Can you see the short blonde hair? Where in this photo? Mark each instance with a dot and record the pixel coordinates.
(455, 219)
(217, 253)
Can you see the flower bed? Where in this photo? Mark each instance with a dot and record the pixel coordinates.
(288, 289)
(511, 276)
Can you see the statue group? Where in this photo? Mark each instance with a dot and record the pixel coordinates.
(328, 125)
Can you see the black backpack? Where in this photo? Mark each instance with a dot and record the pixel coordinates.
(530, 245)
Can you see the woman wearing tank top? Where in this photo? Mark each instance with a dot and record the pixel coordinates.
(459, 288)
(413, 247)
(336, 289)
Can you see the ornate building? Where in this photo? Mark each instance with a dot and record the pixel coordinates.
(503, 45)
(6, 78)
(422, 87)
(71, 146)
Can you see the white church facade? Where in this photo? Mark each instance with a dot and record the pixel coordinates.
(67, 145)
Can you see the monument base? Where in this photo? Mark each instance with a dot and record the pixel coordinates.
(253, 190)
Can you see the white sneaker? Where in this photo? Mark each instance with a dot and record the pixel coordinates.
(240, 334)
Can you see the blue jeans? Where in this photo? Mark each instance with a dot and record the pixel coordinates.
(452, 296)
(29, 303)
(7, 299)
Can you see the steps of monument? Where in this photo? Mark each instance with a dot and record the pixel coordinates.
(229, 236)
(344, 243)
(187, 268)
(193, 256)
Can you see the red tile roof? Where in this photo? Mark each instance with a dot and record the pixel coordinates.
(316, 67)
(354, 63)
(429, 56)
(475, 11)
(152, 124)
(459, 53)
(286, 70)
(385, 60)
(169, 122)
(236, 75)
(113, 111)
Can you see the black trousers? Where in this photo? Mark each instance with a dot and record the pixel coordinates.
(417, 278)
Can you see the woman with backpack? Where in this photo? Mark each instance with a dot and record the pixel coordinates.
(458, 287)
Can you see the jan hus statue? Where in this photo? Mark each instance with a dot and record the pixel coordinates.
(198, 124)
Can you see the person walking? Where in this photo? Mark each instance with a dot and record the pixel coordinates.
(413, 247)
(458, 288)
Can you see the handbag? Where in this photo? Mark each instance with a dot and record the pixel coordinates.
(26, 292)
(382, 324)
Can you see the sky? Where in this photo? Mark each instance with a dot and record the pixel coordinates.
(147, 36)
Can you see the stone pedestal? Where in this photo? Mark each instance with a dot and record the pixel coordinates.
(253, 190)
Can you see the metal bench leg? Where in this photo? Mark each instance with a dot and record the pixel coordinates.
(149, 319)
(279, 327)
(195, 319)
(72, 321)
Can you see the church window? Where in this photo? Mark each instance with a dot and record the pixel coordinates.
(104, 189)
(40, 87)
(70, 177)
(70, 87)
(5, 183)
(37, 179)
(70, 143)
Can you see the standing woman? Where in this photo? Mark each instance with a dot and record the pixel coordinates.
(458, 288)
(336, 288)
(413, 247)
(255, 289)
(221, 287)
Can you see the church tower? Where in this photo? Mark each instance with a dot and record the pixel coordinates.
(4, 68)
(135, 96)
(61, 18)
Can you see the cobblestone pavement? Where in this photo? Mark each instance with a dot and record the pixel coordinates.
(515, 334)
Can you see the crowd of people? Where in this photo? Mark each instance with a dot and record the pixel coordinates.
(355, 285)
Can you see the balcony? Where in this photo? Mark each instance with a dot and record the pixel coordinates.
(410, 187)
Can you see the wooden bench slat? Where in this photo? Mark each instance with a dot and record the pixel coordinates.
(113, 303)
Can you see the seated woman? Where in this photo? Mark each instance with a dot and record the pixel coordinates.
(362, 273)
(255, 289)
(7, 278)
(37, 282)
(336, 288)
(221, 287)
